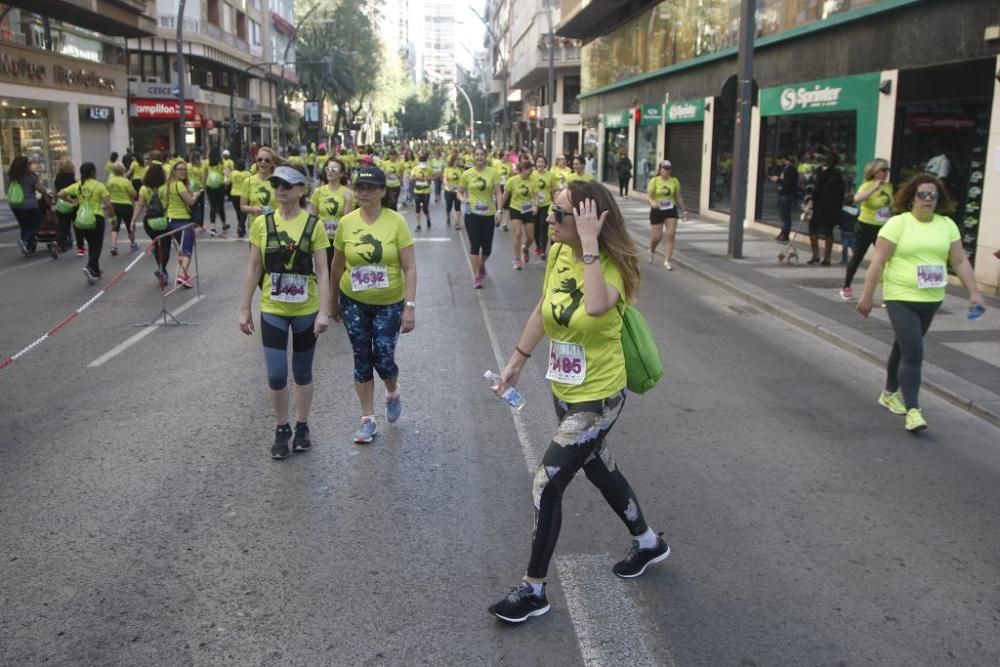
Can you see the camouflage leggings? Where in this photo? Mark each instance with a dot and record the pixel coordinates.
(579, 443)
(373, 331)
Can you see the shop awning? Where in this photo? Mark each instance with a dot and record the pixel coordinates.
(121, 18)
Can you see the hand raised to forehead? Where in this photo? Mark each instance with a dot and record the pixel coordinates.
(588, 222)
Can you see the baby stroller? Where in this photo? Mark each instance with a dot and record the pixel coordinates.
(48, 233)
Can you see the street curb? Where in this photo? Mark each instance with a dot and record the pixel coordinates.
(824, 328)
(8, 227)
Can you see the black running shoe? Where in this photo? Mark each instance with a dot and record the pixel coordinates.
(637, 560)
(520, 605)
(282, 434)
(301, 441)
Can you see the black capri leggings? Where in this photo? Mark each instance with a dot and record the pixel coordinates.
(451, 202)
(865, 237)
(910, 321)
(216, 204)
(542, 227)
(480, 229)
(579, 443)
(161, 253)
(123, 213)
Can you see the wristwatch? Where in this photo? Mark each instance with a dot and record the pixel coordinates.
(410, 304)
(589, 258)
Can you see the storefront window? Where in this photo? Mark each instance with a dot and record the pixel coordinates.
(28, 129)
(615, 140)
(674, 31)
(722, 163)
(808, 138)
(644, 161)
(29, 29)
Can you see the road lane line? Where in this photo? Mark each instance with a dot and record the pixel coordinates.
(613, 635)
(432, 239)
(129, 342)
(604, 622)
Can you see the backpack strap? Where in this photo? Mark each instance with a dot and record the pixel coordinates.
(305, 242)
(272, 232)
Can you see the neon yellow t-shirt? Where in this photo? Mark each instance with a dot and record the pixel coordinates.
(196, 174)
(573, 176)
(877, 209)
(452, 176)
(664, 191)
(139, 171)
(121, 189)
(91, 191)
(109, 169)
(238, 179)
(578, 337)
(177, 208)
(504, 169)
(373, 273)
(479, 187)
(522, 193)
(918, 268)
(259, 192)
(421, 176)
(391, 170)
(228, 164)
(330, 206)
(437, 166)
(545, 185)
(289, 232)
(561, 174)
(468, 160)
(215, 176)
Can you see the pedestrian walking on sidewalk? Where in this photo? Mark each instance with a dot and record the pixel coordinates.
(827, 200)
(93, 202)
(373, 287)
(23, 191)
(623, 168)
(288, 262)
(787, 180)
(912, 255)
(875, 208)
(591, 272)
(665, 199)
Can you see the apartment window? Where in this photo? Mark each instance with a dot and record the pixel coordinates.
(209, 80)
(241, 25)
(254, 33)
(212, 9)
(227, 18)
(224, 80)
(571, 89)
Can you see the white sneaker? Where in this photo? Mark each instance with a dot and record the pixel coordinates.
(666, 263)
(649, 258)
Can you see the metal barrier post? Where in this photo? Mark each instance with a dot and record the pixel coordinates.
(164, 292)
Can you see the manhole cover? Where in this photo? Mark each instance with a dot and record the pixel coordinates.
(821, 283)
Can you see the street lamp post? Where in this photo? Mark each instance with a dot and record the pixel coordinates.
(472, 114)
(180, 139)
(744, 109)
(550, 122)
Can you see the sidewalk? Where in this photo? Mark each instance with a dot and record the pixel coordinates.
(7, 221)
(962, 358)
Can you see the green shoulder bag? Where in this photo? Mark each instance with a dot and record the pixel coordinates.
(643, 368)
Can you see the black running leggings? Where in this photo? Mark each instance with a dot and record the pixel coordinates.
(542, 227)
(216, 204)
(866, 236)
(623, 185)
(579, 443)
(910, 322)
(480, 230)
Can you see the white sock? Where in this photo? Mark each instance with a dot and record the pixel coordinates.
(647, 540)
(536, 589)
(368, 417)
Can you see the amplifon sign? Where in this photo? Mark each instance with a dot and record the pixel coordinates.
(160, 109)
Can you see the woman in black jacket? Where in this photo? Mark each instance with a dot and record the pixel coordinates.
(828, 198)
(623, 167)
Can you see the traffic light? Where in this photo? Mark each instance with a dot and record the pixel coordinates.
(533, 113)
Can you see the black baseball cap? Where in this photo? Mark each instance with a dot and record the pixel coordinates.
(371, 175)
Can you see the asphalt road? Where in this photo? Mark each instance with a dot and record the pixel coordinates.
(142, 521)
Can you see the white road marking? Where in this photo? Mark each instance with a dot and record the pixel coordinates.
(612, 636)
(121, 347)
(605, 624)
(432, 239)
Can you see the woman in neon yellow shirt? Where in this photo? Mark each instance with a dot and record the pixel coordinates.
(664, 196)
(479, 191)
(179, 202)
(452, 178)
(519, 199)
(875, 199)
(374, 284)
(216, 176)
(579, 172)
(288, 263)
(592, 271)
(238, 177)
(332, 200)
(912, 255)
(546, 183)
(93, 194)
(122, 200)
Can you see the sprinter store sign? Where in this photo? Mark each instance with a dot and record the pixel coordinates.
(689, 111)
(843, 94)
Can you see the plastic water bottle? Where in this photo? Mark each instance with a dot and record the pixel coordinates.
(511, 396)
(976, 311)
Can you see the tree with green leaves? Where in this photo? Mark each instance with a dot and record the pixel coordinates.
(344, 56)
(422, 112)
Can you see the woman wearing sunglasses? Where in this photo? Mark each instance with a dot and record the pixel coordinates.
(374, 283)
(289, 265)
(257, 197)
(179, 201)
(332, 200)
(912, 255)
(874, 198)
(592, 271)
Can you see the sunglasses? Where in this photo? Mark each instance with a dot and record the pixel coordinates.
(264, 160)
(279, 184)
(333, 168)
(558, 214)
(927, 196)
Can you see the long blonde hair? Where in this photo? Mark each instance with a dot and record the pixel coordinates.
(874, 167)
(614, 237)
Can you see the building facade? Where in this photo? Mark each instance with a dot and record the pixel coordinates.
(235, 60)
(911, 81)
(63, 81)
(438, 53)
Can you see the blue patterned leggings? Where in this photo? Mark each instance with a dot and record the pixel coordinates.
(373, 331)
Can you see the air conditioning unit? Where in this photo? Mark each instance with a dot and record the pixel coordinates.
(152, 79)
